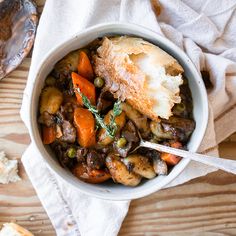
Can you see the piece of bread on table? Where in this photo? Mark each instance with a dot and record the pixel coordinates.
(12, 229)
(141, 73)
(8, 170)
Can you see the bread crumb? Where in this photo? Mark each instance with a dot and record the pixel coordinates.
(12, 229)
(8, 169)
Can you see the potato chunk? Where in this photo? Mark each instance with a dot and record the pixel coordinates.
(160, 166)
(50, 100)
(139, 120)
(140, 165)
(120, 173)
(103, 137)
(67, 64)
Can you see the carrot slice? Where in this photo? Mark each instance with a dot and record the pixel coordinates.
(170, 158)
(85, 124)
(49, 134)
(85, 68)
(86, 88)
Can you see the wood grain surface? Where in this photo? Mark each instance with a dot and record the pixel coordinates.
(203, 206)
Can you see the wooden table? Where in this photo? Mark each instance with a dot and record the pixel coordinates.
(203, 206)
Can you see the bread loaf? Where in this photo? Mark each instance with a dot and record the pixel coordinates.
(141, 73)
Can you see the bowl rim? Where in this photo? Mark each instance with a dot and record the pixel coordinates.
(66, 177)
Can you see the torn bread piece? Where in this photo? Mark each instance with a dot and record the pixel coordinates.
(8, 170)
(141, 73)
(12, 229)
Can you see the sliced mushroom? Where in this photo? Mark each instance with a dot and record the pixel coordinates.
(160, 166)
(140, 165)
(120, 173)
(159, 132)
(139, 120)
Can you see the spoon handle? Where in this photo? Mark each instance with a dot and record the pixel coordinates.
(220, 163)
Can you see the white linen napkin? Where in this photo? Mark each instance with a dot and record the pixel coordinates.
(204, 29)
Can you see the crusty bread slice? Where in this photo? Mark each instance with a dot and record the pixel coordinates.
(12, 229)
(141, 73)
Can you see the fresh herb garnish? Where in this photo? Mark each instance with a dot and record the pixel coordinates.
(111, 128)
(117, 108)
(116, 112)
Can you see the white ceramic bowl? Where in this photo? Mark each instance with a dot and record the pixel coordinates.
(200, 109)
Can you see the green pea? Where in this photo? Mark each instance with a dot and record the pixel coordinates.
(180, 107)
(99, 82)
(50, 80)
(121, 142)
(71, 153)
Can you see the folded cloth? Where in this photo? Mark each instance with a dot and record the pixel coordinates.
(204, 29)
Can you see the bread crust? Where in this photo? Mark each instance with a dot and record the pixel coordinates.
(114, 62)
(19, 229)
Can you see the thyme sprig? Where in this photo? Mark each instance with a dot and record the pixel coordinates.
(111, 128)
(116, 112)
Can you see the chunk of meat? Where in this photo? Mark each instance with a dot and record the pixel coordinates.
(130, 133)
(122, 151)
(83, 172)
(69, 132)
(104, 101)
(46, 119)
(67, 110)
(60, 149)
(81, 154)
(95, 160)
(150, 153)
(180, 128)
(185, 108)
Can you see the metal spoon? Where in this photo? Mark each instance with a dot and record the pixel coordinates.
(220, 163)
